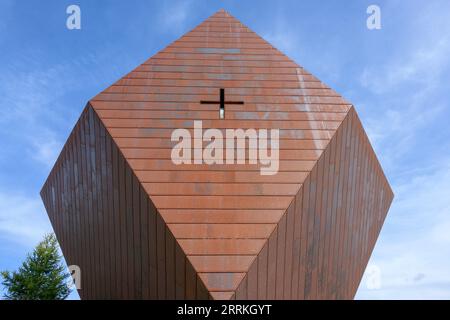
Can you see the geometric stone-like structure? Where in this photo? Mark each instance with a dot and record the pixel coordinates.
(141, 227)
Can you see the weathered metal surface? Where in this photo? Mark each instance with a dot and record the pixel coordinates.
(322, 244)
(140, 226)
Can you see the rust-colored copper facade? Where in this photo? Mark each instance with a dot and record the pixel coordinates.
(141, 227)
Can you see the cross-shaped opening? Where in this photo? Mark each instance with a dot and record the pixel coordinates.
(221, 103)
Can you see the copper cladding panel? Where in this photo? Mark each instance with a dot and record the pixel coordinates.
(124, 212)
(323, 242)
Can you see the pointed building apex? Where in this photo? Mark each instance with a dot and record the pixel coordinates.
(222, 12)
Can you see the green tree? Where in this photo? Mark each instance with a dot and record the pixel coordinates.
(42, 275)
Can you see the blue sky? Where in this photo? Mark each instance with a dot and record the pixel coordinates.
(397, 77)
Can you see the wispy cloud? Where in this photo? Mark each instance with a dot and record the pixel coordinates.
(22, 219)
(405, 88)
(400, 120)
(423, 67)
(406, 102)
(28, 109)
(413, 253)
(35, 117)
(35, 107)
(45, 148)
(401, 90)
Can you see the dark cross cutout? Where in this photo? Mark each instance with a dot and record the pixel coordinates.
(221, 103)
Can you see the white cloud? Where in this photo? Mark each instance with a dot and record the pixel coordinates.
(34, 108)
(413, 252)
(394, 129)
(27, 112)
(45, 148)
(31, 118)
(419, 54)
(407, 83)
(422, 67)
(22, 219)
